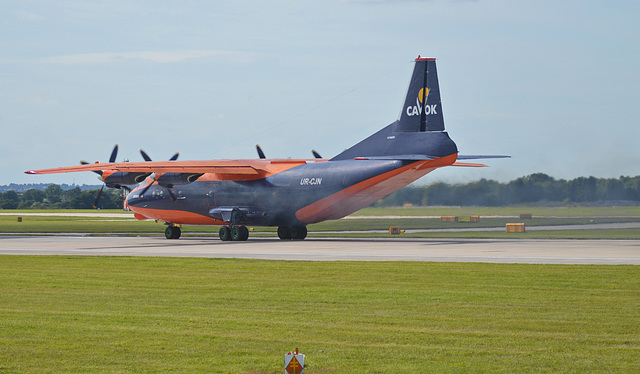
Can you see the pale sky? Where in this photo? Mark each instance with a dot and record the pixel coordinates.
(555, 84)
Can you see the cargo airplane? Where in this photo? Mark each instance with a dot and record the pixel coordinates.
(289, 193)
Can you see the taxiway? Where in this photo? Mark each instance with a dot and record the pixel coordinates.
(313, 249)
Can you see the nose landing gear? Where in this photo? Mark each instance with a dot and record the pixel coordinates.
(172, 232)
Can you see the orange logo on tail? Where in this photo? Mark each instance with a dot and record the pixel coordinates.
(416, 110)
(420, 94)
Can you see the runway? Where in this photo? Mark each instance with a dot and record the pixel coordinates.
(313, 249)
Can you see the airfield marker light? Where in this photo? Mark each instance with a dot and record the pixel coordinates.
(294, 363)
(516, 227)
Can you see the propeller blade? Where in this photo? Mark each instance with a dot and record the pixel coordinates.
(95, 204)
(260, 153)
(114, 154)
(147, 158)
(315, 154)
(112, 158)
(83, 162)
(145, 155)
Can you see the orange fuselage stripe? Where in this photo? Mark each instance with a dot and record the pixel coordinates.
(360, 195)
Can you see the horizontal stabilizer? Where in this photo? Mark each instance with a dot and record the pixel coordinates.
(469, 165)
(413, 157)
(478, 157)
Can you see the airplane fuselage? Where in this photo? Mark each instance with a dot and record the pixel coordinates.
(304, 194)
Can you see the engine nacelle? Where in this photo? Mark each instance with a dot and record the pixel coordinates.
(123, 178)
(169, 180)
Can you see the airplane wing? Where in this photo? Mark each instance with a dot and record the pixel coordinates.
(421, 157)
(406, 157)
(469, 164)
(225, 169)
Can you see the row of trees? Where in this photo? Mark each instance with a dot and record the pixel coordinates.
(533, 189)
(54, 197)
(536, 188)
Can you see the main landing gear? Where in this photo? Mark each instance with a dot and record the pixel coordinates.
(239, 233)
(235, 233)
(292, 232)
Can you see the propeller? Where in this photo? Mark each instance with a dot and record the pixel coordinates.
(261, 154)
(147, 158)
(112, 158)
(114, 154)
(95, 203)
(145, 155)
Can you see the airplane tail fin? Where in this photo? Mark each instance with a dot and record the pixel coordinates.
(422, 110)
(419, 132)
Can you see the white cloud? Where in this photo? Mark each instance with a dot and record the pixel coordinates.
(149, 56)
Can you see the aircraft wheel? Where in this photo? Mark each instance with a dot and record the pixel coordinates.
(292, 232)
(245, 233)
(225, 233)
(298, 232)
(172, 232)
(284, 233)
(239, 233)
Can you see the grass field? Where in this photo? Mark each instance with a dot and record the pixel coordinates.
(181, 315)
(365, 220)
